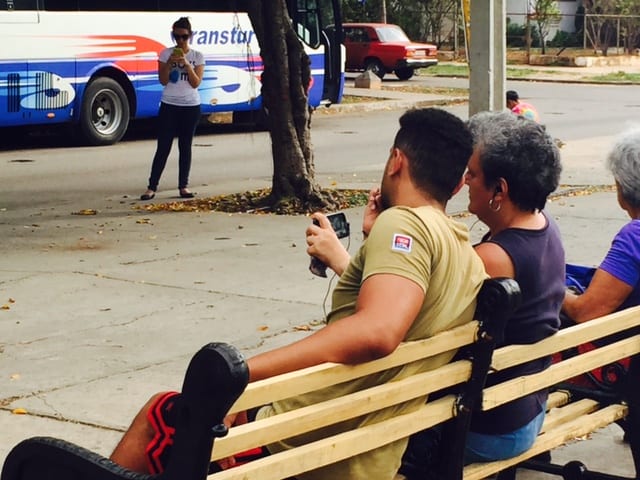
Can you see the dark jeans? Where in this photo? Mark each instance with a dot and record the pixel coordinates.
(174, 121)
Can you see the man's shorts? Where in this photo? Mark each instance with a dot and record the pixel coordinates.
(163, 416)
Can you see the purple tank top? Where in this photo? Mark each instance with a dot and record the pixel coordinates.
(538, 259)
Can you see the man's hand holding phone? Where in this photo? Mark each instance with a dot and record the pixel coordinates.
(324, 245)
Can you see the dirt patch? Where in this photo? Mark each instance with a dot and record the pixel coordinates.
(251, 201)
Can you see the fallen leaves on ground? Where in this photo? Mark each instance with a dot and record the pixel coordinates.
(85, 211)
(253, 202)
(580, 190)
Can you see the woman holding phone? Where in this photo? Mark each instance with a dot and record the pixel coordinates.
(180, 70)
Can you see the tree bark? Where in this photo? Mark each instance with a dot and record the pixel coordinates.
(285, 83)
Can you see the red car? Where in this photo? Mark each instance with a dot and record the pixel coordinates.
(383, 48)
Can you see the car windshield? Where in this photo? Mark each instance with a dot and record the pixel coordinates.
(391, 33)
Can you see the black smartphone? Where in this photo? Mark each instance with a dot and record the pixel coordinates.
(341, 227)
(339, 224)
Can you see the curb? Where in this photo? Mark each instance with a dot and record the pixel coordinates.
(378, 103)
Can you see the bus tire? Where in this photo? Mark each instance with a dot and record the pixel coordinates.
(104, 115)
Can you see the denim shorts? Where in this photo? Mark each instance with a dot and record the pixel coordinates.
(482, 447)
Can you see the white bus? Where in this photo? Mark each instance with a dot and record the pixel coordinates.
(93, 63)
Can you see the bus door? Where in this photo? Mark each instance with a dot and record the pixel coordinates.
(318, 24)
(330, 15)
(14, 72)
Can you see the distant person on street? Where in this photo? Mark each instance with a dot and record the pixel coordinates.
(521, 108)
(180, 71)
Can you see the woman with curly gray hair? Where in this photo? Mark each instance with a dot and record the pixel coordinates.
(616, 282)
(514, 167)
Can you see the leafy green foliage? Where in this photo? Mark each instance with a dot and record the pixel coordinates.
(516, 35)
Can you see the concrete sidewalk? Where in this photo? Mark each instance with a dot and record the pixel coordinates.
(92, 326)
(94, 330)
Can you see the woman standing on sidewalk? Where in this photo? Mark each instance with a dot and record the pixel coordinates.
(180, 70)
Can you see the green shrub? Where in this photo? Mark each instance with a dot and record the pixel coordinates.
(565, 39)
(516, 35)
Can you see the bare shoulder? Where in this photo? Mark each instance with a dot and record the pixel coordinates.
(496, 261)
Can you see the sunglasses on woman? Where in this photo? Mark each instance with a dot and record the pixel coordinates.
(181, 37)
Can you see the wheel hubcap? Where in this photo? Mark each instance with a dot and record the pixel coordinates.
(106, 112)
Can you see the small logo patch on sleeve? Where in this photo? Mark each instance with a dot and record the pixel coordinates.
(401, 243)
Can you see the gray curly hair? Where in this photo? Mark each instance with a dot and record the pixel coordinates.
(520, 151)
(624, 163)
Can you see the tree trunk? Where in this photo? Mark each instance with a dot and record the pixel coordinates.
(285, 82)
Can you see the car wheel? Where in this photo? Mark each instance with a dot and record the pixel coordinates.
(104, 115)
(375, 66)
(404, 73)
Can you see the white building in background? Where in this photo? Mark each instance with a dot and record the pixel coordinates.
(517, 13)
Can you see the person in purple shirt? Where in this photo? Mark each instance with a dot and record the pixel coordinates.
(616, 282)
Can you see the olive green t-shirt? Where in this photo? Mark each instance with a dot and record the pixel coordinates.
(429, 248)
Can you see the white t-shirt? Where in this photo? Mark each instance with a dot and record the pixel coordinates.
(178, 91)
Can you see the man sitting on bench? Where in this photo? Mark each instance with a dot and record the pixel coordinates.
(414, 276)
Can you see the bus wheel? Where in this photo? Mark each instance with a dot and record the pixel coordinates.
(104, 117)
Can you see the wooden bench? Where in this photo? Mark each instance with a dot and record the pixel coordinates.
(455, 388)
(573, 411)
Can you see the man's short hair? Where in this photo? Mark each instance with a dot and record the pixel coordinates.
(512, 95)
(438, 145)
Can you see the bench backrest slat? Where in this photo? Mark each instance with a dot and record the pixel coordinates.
(338, 447)
(569, 412)
(566, 338)
(571, 367)
(313, 378)
(289, 424)
(558, 398)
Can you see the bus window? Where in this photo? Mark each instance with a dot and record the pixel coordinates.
(18, 5)
(188, 6)
(305, 18)
(61, 5)
(118, 5)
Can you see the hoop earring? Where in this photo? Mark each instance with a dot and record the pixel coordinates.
(497, 207)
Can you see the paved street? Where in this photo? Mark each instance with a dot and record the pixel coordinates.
(100, 311)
